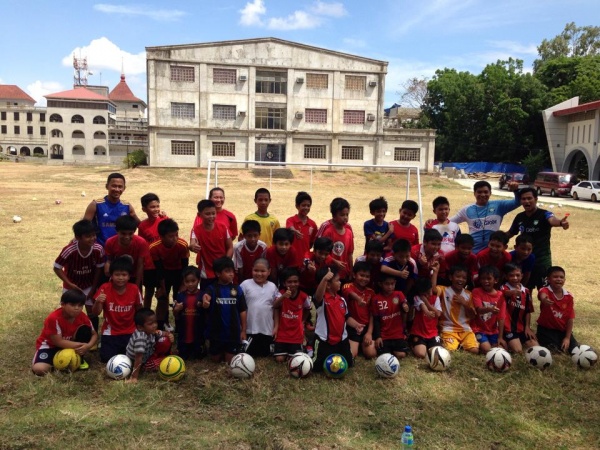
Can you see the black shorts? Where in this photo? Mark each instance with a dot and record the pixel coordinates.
(220, 347)
(113, 345)
(414, 340)
(393, 345)
(354, 336)
(520, 336)
(552, 339)
(45, 355)
(324, 349)
(285, 349)
(260, 345)
(150, 279)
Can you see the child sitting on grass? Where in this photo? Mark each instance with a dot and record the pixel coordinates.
(489, 303)
(424, 331)
(389, 309)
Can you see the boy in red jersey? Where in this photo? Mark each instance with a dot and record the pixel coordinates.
(290, 311)
(555, 323)
(170, 256)
(148, 228)
(248, 250)
(340, 232)
(462, 256)
(359, 295)
(519, 306)
(80, 264)
(426, 254)
(313, 261)
(227, 218)
(65, 327)
(189, 316)
(424, 331)
(214, 241)
(402, 228)
(374, 257)
(389, 310)
(488, 324)
(304, 228)
(118, 300)
(495, 254)
(281, 254)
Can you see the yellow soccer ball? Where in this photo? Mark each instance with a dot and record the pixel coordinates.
(66, 359)
(172, 368)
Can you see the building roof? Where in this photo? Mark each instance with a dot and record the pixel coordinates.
(79, 93)
(122, 93)
(14, 92)
(577, 109)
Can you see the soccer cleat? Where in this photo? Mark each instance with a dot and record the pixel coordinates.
(84, 365)
(309, 351)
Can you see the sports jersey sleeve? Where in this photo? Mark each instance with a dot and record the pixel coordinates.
(506, 206)
(238, 262)
(460, 216)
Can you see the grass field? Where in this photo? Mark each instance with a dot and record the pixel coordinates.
(466, 407)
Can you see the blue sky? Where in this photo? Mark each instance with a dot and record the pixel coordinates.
(416, 37)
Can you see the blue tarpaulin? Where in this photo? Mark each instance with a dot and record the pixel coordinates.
(472, 167)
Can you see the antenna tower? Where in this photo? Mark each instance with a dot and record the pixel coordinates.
(80, 72)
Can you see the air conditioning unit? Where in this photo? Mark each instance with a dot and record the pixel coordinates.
(371, 117)
(242, 114)
(300, 80)
(299, 115)
(372, 83)
(243, 77)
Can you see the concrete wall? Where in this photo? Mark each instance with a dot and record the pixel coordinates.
(23, 140)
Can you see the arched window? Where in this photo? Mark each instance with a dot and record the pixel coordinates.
(56, 133)
(56, 118)
(25, 151)
(99, 135)
(99, 120)
(56, 151)
(77, 119)
(99, 150)
(38, 151)
(78, 134)
(78, 150)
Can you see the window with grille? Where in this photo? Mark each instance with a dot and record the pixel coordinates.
(407, 154)
(182, 110)
(356, 83)
(29, 117)
(352, 153)
(4, 130)
(354, 117)
(42, 117)
(226, 112)
(184, 148)
(43, 131)
(315, 152)
(29, 130)
(182, 73)
(315, 115)
(224, 76)
(270, 118)
(317, 80)
(271, 82)
(17, 129)
(16, 116)
(3, 115)
(223, 149)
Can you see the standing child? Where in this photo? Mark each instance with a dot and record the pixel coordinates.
(281, 254)
(523, 256)
(374, 257)
(424, 331)
(495, 254)
(248, 250)
(340, 232)
(449, 230)
(402, 227)
(401, 266)
(268, 222)
(65, 327)
(227, 218)
(148, 228)
(490, 306)
(377, 228)
(303, 227)
(189, 316)
(313, 261)
(462, 256)
(118, 300)
(389, 317)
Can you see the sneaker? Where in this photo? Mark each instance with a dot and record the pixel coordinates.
(309, 351)
(84, 365)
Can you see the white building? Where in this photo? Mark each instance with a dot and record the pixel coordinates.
(272, 100)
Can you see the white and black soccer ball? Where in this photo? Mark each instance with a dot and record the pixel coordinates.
(539, 357)
(118, 367)
(498, 360)
(242, 365)
(584, 356)
(438, 358)
(387, 365)
(300, 365)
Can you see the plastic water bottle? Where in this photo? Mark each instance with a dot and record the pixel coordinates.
(407, 439)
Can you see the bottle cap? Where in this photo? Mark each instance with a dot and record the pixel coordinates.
(407, 429)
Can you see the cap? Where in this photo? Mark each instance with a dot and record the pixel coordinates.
(408, 429)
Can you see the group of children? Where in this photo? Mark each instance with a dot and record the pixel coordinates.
(400, 296)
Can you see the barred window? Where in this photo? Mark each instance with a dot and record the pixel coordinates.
(315, 115)
(185, 148)
(224, 76)
(315, 152)
(271, 82)
(354, 117)
(226, 112)
(183, 110)
(352, 153)
(407, 154)
(223, 148)
(270, 118)
(356, 83)
(317, 80)
(182, 73)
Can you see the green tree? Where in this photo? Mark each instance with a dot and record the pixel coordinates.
(572, 42)
(567, 77)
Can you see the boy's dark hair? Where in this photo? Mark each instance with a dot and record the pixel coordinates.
(361, 266)
(121, 264)
(73, 297)
(282, 235)
(411, 205)
(481, 184)
(509, 267)
(553, 269)
(489, 270)
(401, 245)
(222, 263)
(261, 191)
(149, 197)
(303, 196)
(440, 201)
(464, 238)
(524, 238)
(422, 285)
(374, 246)
(287, 273)
(323, 271)
(125, 223)
(167, 226)
(250, 225)
(213, 190)
(115, 175)
(525, 190)
(141, 315)
(431, 234)
(323, 243)
(338, 204)
(190, 270)
(378, 203)
(499, 236)
(203, 204)
(83, 227)
(457, 268)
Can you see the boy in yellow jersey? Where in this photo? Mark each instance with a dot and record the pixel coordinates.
(457, 312)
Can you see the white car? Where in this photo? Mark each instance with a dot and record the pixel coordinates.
(586, 190)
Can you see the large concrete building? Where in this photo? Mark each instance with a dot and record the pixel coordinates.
(273, 100)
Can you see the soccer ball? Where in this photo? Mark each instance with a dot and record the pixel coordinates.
(335, 366)
(118, 367)
(498, 360)
(584, 356)
(438, 358)
(16, 219)
(242, 365)
(387, 365)
(539, 357)
(172, 368)
(300, 365)
(66, 359)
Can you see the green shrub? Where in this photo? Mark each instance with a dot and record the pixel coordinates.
(534, 163)
(136, 158)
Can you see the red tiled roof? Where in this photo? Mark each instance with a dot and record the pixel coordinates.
(14, 92)
(80, 93)
(122, 93)
(577, 109)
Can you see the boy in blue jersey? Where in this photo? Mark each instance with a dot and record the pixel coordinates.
(105, 211)
(227, 311)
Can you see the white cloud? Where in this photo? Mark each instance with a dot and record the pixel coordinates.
(335, 9)
(251, 13)
(103, 54)
(165, 15)
(38, 89)
(515, 47)
(298, 20)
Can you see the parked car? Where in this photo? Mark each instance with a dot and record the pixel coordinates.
(521, 178)
(586, 190)
(554, 183)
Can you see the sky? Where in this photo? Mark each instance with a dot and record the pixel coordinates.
(415, 37)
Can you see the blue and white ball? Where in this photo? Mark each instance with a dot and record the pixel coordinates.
(118, 367)
(387, 365)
